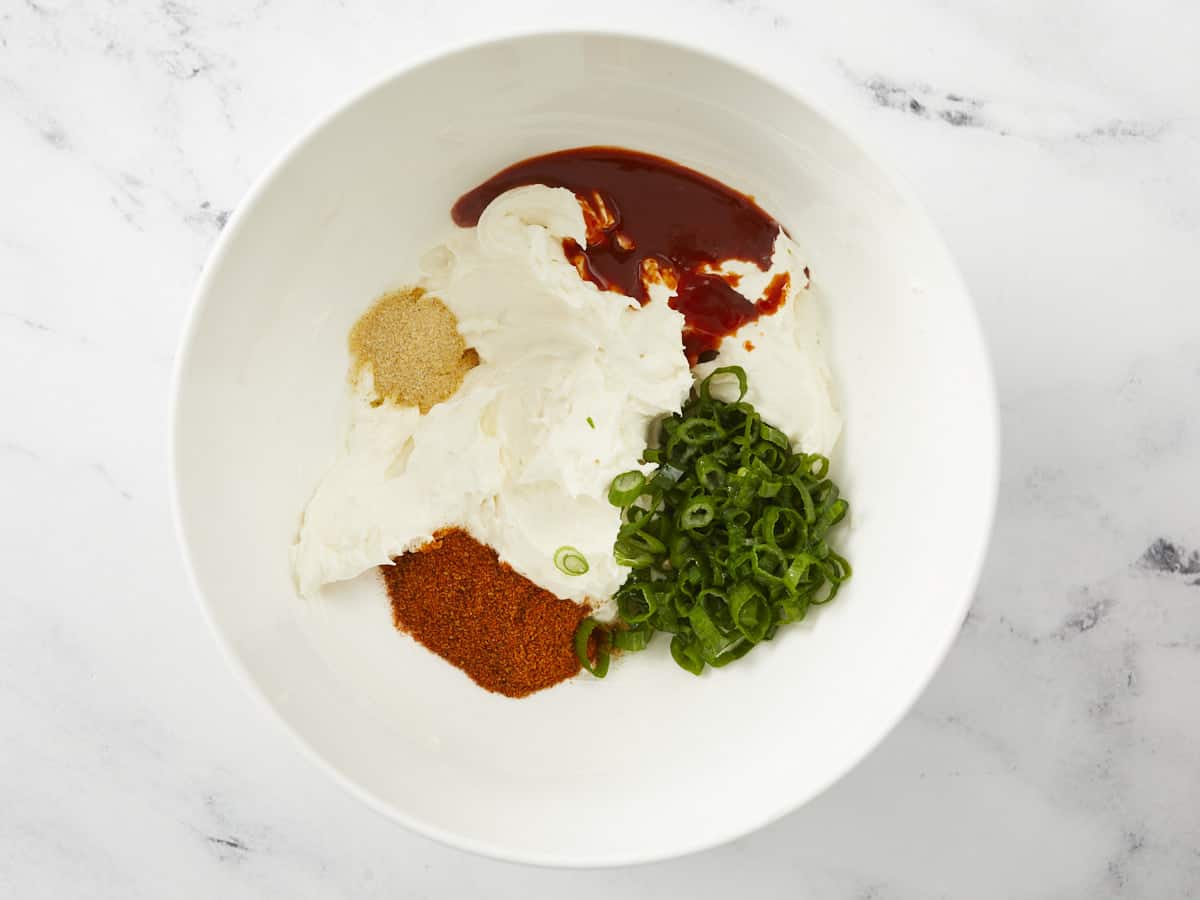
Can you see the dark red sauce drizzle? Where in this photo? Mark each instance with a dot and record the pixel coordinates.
(644, 211)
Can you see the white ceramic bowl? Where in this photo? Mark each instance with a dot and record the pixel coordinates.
(651, 762)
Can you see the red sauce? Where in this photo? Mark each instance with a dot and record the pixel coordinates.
(711, 309)
(644, 212)
(775, 294)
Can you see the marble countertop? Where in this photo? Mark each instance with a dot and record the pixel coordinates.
(1056, 754)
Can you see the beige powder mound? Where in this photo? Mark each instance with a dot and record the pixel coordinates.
(410, 343)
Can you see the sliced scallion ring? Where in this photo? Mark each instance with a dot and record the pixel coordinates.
(697, 512)
(632, 639)
(626, 488)
(570, 561)
(583, 635)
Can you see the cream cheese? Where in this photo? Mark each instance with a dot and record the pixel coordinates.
(512, 457)
(790, 383)
(570, 382)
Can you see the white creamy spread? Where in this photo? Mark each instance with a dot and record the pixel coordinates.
(512, 457)
(789, 379)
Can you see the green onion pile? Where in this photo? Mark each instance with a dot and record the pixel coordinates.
(726, 539)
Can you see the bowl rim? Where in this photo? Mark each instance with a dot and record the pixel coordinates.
(990, 467)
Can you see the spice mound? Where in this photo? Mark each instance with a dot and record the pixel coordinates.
(509, 635)
(410, 342)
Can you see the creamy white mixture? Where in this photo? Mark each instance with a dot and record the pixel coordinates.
(512, 457)
(787, 370)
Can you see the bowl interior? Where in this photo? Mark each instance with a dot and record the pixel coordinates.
(651, 762)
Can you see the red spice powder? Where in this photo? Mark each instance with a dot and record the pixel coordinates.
(509, 635)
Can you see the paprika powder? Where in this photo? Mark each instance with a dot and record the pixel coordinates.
(456, 597)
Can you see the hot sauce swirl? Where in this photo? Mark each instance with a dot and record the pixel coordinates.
(648, 217)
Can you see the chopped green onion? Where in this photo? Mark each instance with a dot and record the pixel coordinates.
(632, 557)
(698, 431)
(818, 466)
(727, 540)
(768, 489)
(712, 641)
(736, 371)
(697, 513)
(796, 570)
(626, 488)
(709, 472)
(640, 539)
(636, 602)
(751, 613)
(570, 561)
(590, 422)
(685, 600)
(668, 475)
(583, 634)
(632, 639)
(687, 654)
(775, 436)
(737, 651)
